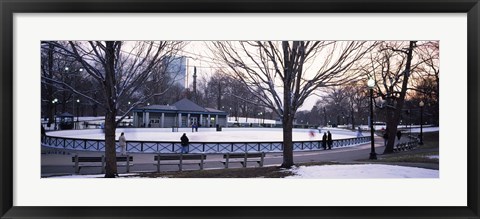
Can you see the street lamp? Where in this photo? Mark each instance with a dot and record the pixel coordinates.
(371, 85)
(78, 104)
(55, 101)
(129, 109)
(421, 104)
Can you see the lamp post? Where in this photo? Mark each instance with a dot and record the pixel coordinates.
(421, 104)
(78, 104)
(259, 117)
(129, 109)
(55, 101)
(373, 155)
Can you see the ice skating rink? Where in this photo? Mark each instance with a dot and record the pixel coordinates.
(206, 134)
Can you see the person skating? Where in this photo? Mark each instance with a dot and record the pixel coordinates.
(359, 132)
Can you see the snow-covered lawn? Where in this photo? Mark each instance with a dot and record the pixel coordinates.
(91, 176)
(432, 157)
(206, 134)
(427, 129)
(361, 171)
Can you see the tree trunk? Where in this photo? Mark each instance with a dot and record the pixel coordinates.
(392, 123)
(325, 122)
(288, 112)
(353, 118)
(287, 142)
(110, 153)
(110, 116)
(219, 97)
(49, 92)
(393, 116)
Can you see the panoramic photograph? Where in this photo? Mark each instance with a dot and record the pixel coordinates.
(240, 109)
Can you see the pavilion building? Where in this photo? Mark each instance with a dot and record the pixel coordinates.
(183, 113)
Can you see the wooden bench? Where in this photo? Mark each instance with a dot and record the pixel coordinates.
(199, 158)
(98, 162)
(243, 158)
(405, 146)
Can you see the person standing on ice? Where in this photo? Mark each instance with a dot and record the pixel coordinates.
(123, 144)
(184, 141)
(359, 132)
(329, 140)
(324, 141)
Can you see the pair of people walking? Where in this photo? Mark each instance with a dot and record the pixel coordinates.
(327, 140)
(385, 136)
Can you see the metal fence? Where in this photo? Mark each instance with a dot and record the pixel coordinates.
(195, 147)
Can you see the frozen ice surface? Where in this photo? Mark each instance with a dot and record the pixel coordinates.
(207, 134)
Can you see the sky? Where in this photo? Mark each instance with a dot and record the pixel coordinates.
(200, 56)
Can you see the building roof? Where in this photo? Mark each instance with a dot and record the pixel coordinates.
(160, 107)
(187, 105)
(183, 105)
(214, 110)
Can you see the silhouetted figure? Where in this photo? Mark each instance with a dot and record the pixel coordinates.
(123, 143)
(329, 140)
(359, 132)
(184, 141)
(44, 134)
(399, 134)
(385, 137)
(324, 141)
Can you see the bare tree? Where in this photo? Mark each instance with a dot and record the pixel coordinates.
(393, 65)
(119, 69)
(282, 74)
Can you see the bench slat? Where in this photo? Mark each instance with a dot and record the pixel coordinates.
(245, 158)
(88, 159)
(180, 158)
(78, 160)
(177, 157)
(99, 159)
(249, 155)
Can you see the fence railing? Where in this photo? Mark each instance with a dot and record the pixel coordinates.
(195, 147)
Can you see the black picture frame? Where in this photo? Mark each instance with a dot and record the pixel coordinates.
(10, 7)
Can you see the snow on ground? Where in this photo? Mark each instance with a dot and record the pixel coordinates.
(91, 176)
(432, 157)
(362, 171)
(413, 128)
(427, 129)
(206, 134)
